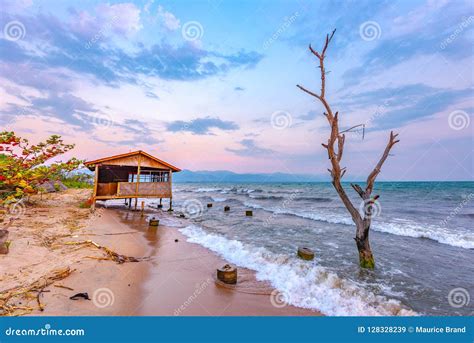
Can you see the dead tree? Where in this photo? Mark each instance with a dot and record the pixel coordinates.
(335, 149)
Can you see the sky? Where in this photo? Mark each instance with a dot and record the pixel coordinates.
(211, 85)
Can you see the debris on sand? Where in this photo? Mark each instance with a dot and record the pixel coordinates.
(11, 300)
(111, 255)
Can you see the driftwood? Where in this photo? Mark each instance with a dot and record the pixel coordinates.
(111, 255)
(335, 149)
(11, 299)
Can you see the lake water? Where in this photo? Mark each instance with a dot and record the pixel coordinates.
(422, 238)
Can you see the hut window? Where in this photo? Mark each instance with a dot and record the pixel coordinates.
(150, 176)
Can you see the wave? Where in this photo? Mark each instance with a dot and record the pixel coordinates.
(206, 190)
(301, 283)
(217, 199)
(233, 190)
(266, 197)
(289, 198)
(403, 228)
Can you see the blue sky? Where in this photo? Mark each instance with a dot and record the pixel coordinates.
(211, 85)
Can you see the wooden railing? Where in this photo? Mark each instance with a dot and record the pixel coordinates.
(158, 189)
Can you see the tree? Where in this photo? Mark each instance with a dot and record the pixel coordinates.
(23, 166)
(335, 149)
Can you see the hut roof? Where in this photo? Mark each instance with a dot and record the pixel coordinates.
(91, 164)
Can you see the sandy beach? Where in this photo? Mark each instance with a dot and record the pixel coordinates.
(176, 278)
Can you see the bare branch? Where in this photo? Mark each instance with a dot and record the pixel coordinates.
(314, 52)
(309, 92)
(373, 175)
(328, 40)
(359, 190)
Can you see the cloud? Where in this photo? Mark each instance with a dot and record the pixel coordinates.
(87, 49)
(201, 126)
(168, 19)
(421, 107)
(424, 32)
(396, 106)
(239, 89)
(141, 133)
(250, 149)
(308, 116)
(83, 116)
(122, 19)
(67, 107)
(152, 95)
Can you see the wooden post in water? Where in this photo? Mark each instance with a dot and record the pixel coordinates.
(143, 207)
(227, 274)
(138, 181)
(171, 191)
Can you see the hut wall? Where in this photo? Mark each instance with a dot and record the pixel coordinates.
(158, 189)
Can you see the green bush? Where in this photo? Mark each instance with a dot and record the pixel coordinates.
(78, 181)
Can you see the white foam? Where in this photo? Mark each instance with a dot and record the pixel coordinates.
(206, 190)
(406, 228)
(303, 284)
(216, 199)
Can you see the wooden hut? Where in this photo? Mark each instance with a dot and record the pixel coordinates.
(131, 176)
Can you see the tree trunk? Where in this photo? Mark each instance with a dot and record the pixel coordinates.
(366, 259)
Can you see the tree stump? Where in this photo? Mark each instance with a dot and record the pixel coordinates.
(209, 205)
(227, 274)
(4, 243)
(226, 208)
(153, 222)
(305, 254)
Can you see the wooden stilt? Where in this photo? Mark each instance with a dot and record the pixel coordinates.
(96, 184)
(136, 203)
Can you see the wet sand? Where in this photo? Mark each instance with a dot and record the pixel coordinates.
(181, 280)
(178, 279)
